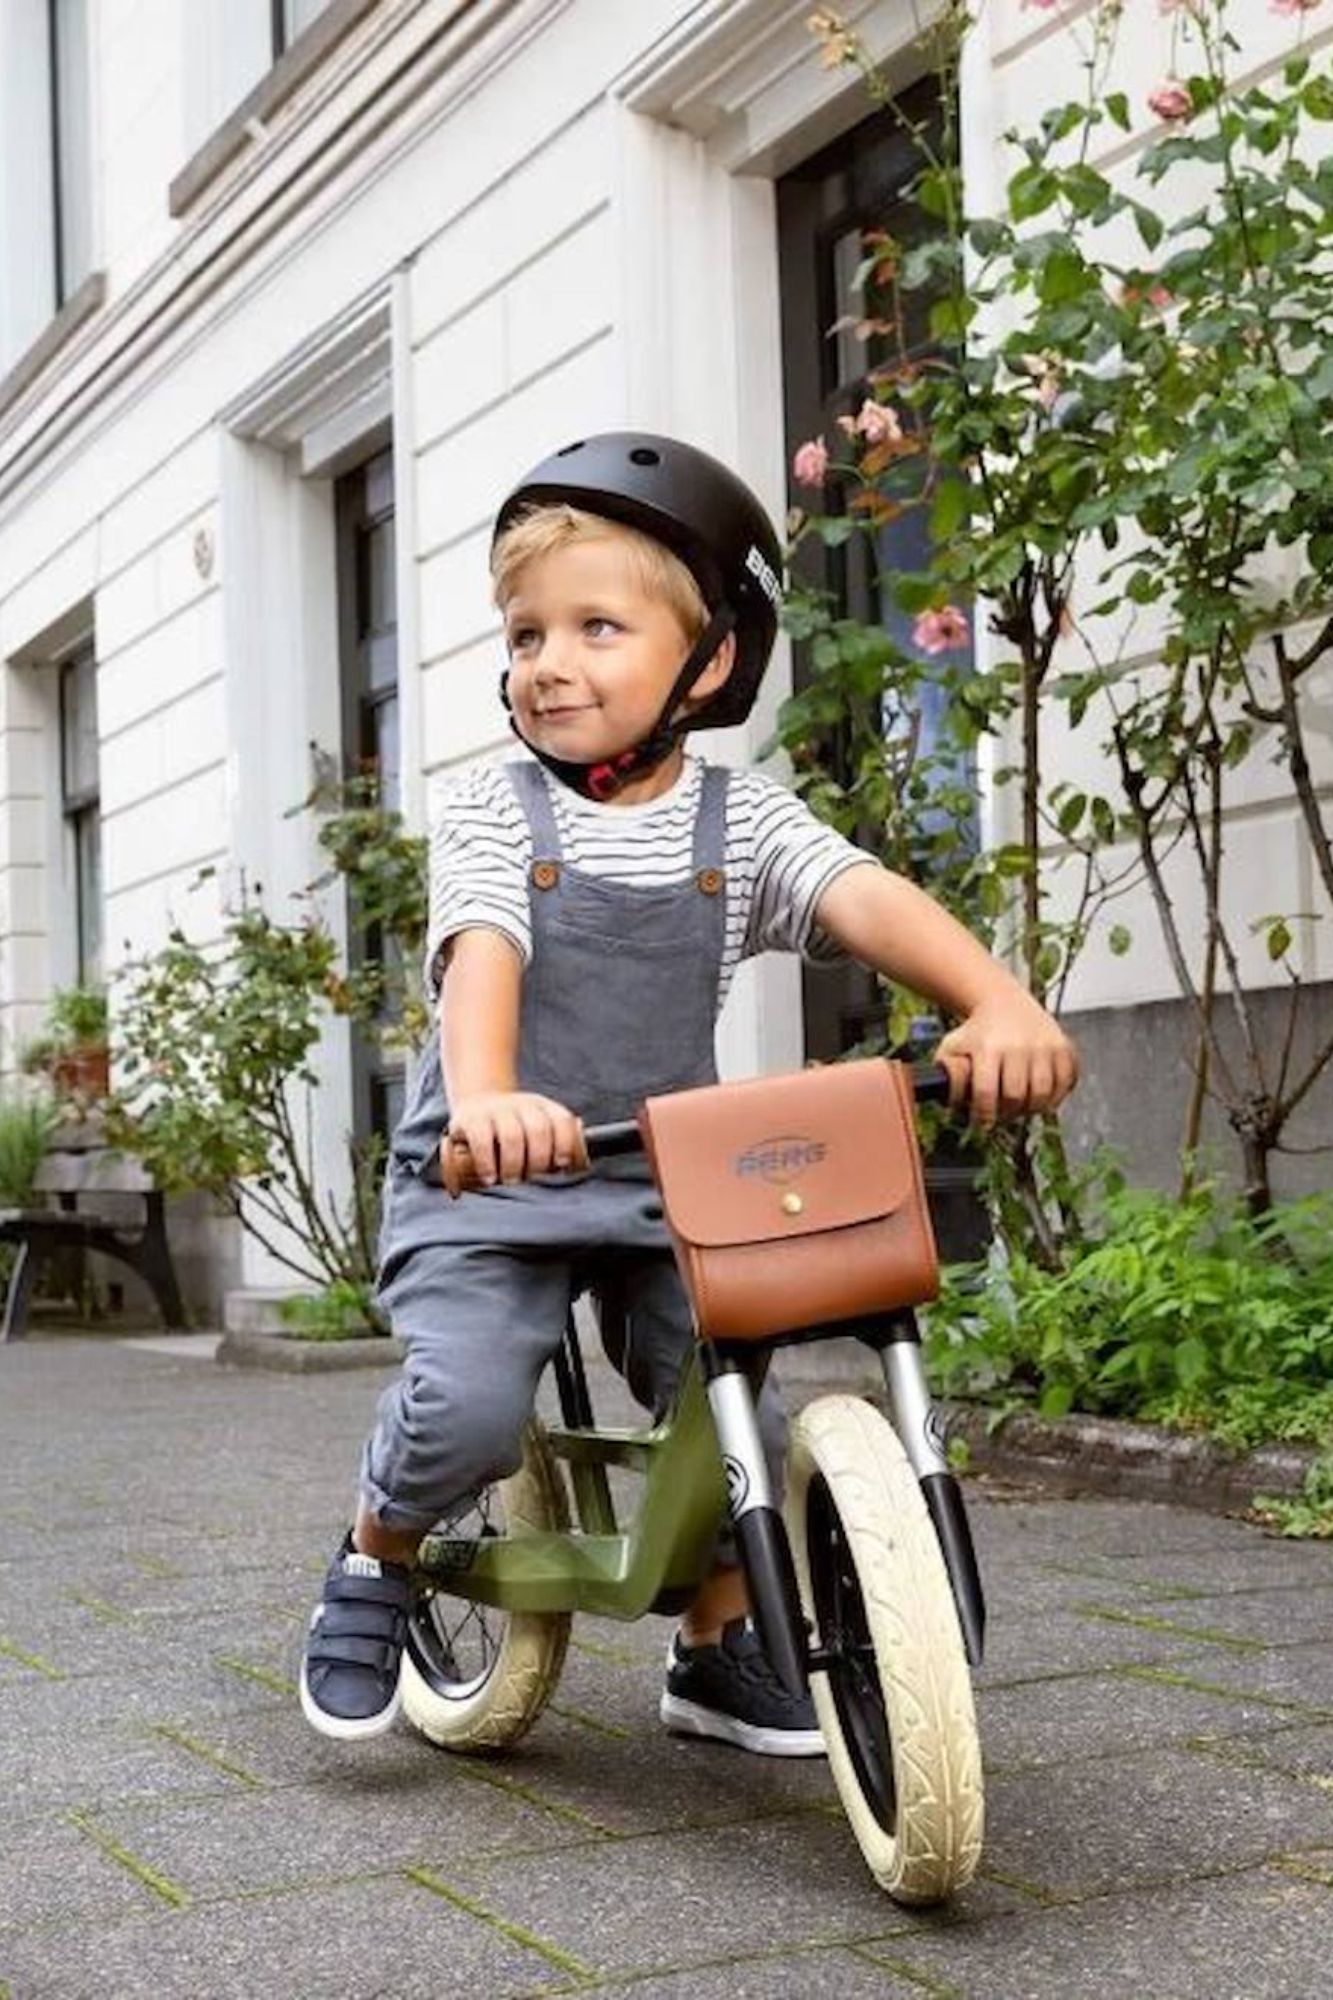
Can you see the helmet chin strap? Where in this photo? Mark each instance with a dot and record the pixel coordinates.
(602, 780)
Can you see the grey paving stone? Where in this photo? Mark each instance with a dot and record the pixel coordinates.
(648, 1781)
(1263, 1936)
(53, 1872)
(75, 1704)
(249, 1840)
(1088, 1829)
(1020, 1645)
(1293, 1617)
(656, 1904)
(1061, 1530)
(1299, 1752)
(381, 1940)
(1253, 1562)
(59, 1768)
(826, 1974)
(1300, 1677)
(1103, 1715)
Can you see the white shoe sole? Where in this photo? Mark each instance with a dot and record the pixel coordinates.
(688, 1718)
(349, 1729)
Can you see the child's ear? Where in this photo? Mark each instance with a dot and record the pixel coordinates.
(714, 675)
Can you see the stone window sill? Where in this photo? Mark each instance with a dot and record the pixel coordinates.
(78, 307)
(288, 73)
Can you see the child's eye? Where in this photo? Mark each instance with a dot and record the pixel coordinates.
(522, 638)
(600, 628)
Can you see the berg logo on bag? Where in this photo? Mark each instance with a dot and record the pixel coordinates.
(780, 1160)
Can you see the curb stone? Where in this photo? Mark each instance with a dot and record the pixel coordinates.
(1076, 1454)
(1139, 1461)
(286, 1355)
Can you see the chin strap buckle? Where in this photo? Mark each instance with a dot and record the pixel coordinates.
(603, 781)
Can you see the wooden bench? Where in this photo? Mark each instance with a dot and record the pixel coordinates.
(96, 1199)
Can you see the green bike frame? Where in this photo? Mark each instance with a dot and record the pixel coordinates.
(598, 1567)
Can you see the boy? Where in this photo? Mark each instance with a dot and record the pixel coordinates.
(589, 906)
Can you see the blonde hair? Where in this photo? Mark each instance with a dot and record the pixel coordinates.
(543, 528)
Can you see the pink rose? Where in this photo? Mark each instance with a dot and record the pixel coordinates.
(1042, 6)
(809, 466)
(1171, 100)
(877, 423)
(943, 631)
(1293, 7)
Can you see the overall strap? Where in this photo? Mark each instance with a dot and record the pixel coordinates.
(533, 794)
(710, 822)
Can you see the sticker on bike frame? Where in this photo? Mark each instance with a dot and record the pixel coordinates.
(738, 1483)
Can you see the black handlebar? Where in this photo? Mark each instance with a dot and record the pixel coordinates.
(930, 1082)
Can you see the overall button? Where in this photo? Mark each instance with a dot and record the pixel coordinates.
(710, 880)
(545, 874)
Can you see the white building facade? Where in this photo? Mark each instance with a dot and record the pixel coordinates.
(289, 295)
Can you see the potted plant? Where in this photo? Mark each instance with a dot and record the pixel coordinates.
(72, 1052)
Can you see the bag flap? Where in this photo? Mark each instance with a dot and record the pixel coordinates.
(784, 1156)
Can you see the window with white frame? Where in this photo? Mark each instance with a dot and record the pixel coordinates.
(231, 45)
(46, 177)
(80, 799)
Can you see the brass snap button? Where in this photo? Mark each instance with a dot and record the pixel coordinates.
(792, 1204)
(710, 880)
(545, 874)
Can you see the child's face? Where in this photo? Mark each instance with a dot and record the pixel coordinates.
(592, 654)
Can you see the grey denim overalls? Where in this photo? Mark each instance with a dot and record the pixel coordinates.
(619, 1002)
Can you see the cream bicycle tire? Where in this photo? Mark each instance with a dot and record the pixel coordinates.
(498, 1705)
(913, 1794)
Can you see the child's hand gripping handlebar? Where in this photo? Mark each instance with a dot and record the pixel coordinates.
(454, 1169)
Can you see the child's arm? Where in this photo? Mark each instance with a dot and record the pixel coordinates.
(1018, 1057)
(510, 1132)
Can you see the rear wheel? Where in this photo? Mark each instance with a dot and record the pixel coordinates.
(895, 1704)
(476, 1677)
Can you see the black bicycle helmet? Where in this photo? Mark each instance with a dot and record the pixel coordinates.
(708, 517)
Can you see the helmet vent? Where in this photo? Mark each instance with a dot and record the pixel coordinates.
(643, 454)
(566, 449)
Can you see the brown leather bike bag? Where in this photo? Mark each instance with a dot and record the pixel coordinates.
(794, 1200)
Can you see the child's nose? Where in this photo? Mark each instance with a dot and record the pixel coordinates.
(553, 660)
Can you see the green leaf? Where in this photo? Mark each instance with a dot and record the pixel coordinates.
(952, 507)
(1031, 192)
(1117, 108)
(1057, 1400)
(1279, 938)
(1118, 940)
(1071, 812)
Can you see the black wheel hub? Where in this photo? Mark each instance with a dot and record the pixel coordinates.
(453, 1642)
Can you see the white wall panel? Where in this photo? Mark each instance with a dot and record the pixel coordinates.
(507, 222)
(563, 298)
(157, 669)
(139, 920)
(462, 480)
(165, 748)
(455, 597)
(462, 714)
(168, 832)
(161, 499)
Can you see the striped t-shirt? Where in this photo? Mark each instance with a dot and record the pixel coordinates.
(779, 859)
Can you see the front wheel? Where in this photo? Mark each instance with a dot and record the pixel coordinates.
(476, 1677)
(895, 1704)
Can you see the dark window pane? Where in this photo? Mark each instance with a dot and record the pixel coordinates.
(87, 829)
(385, 749)
(381, 583)
(78, 716)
